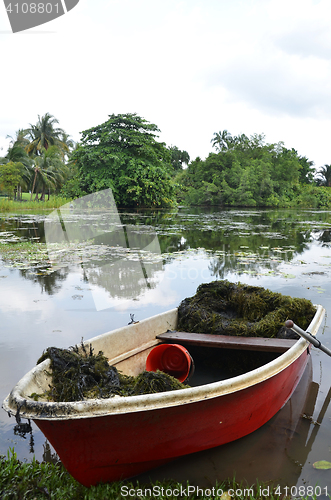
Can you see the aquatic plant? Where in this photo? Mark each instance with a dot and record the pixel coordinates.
(78, 374)
(225, 308)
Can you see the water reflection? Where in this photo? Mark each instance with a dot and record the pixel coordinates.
(119, 260)
(324, 237)
(24, 430)
(286, 251)
(49, 283)
(25, 226)
(119, 253)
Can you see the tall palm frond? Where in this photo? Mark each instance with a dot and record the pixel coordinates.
(222, 140)
(324, 176)
(49, 170)
(44, 135)
(20, 139)
(17, 153)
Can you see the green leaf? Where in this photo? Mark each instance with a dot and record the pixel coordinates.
(322, 464)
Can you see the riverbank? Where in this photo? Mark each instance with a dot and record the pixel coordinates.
(307, 197)
(7, 205)
(34, 480)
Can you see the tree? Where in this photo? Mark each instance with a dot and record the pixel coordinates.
(244, 172)
(49, 171)
(324, 176)
(178, 157)
(222, 140)
(124, 155)
(44, 134)
(20, 139)
(10, 176)
(16, 154)
(307, 170)
(67, 145)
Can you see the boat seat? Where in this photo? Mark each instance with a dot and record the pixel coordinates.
(227, 341)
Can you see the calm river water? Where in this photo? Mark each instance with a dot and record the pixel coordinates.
(286, 251)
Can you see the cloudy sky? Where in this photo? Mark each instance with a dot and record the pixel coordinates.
(193, 67)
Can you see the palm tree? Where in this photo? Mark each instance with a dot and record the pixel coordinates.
(307, 170)
(17, 153)
(178, 157)
(44, 134)
(222, 140)
(20, 140)
(49, 171)
(324, 176)
(69, 145)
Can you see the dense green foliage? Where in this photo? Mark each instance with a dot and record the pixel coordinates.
(178, 157)
(247, 172)
(38, 155)
(124, 155)
(10, 176)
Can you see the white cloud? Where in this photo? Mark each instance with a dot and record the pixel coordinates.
(193, 67)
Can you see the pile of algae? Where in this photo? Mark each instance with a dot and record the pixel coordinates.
(225, 308)
(79, 374)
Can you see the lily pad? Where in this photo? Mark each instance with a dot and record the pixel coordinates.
(322, 464)
(288, 275)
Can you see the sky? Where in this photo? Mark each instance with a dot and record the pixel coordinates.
(192, 67)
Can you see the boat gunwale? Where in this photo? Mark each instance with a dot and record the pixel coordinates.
(26, 407)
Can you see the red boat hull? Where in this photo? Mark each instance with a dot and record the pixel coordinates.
(118, 446)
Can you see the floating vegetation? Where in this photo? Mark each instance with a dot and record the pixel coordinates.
(79, 374)
(225, 308)
(24, 254)
(288, 276)
(28, 255)
(322, 464)
(8, 237)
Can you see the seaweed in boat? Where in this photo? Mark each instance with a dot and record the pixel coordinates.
(225, 308)
(78, 374)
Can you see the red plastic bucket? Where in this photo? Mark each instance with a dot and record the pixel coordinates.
(173, 359)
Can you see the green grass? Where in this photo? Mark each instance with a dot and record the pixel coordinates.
(7, 205)
(34, 480)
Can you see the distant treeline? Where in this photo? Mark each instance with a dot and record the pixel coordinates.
(124, 154)
(248, 172)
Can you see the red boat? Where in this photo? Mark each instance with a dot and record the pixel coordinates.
(103, 440)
